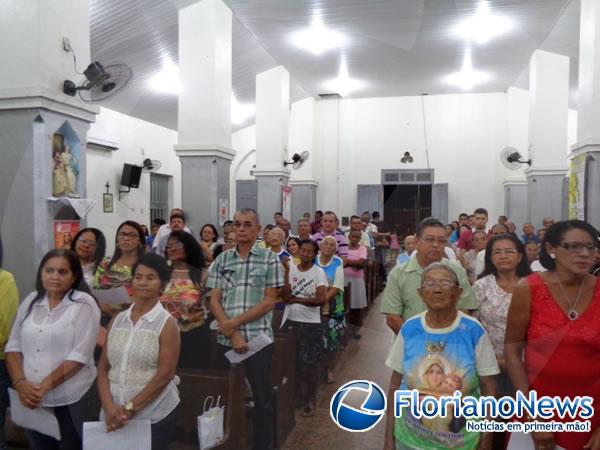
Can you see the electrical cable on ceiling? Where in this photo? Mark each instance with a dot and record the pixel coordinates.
(425, 130)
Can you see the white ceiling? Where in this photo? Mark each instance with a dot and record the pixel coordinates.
(397, 47)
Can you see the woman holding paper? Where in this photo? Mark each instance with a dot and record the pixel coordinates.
(50, 351)
(115, 271)
(136, 372)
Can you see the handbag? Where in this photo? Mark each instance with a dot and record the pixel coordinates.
(210, 423)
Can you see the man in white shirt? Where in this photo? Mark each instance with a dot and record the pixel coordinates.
(160, 240)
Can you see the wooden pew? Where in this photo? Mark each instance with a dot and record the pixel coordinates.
(283, 374)
(195, 386)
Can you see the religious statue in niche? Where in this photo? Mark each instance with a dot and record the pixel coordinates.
(65, 169)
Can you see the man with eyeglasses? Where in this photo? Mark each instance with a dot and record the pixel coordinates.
(244, 282)
(401, 301)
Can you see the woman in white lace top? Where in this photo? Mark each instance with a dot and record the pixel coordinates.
(505, 264)
(136, 372)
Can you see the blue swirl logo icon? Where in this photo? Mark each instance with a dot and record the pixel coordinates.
(360, 419)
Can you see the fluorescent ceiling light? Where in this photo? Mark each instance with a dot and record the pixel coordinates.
(483, 26)
(240, 112)
(317, 39)
(167, 80)
(343, 84)
(467, 78)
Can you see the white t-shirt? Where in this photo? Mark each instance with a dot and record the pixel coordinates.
(536, 266)
(304, 285)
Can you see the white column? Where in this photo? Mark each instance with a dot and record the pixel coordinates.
(588, 102)
(32, 109)
(302, 138)
(204, 120)
(548, 123)
(272, 131)
(515, 182)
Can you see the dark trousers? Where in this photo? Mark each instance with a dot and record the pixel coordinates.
(70, 421)
(258, 373)
(163, 431)
(4, 402)
(194, 348)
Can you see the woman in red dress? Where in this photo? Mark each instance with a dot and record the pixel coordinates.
(553, 330)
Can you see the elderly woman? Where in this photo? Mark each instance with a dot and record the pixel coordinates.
(136, 372)
(553, 329)
(50, 351)
(436, 351)
(332, 312)
(90, 246)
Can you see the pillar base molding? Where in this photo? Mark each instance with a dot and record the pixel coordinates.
(546, 171)
(208, 150)
(272, 172)
(42, 98)
(304, 183)
(514, 182)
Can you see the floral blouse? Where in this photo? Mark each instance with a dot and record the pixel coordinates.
(115, 277)
(182, 298)
(493, 303)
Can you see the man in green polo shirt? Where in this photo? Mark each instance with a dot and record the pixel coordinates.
(401, 300)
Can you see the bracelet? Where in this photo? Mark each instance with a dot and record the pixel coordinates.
(18, 381)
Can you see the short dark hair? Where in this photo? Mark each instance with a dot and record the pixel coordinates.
(355, 217)
(555, 233)
(228, 222)
(156, 263)
(314, 245)
(330, 213)
(159, 222)
(177, 215)
(428, 222)
(463, 215)
(375, 215)
(213, 228)
(278, 214)
(480, 211)
(523, 268)
(318, 211)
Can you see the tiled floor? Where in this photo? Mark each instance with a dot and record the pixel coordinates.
(362, 359)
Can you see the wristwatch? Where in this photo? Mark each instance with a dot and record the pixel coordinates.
(129, 407)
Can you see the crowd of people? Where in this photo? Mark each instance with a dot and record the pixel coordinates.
(489, 312)
(473, 309)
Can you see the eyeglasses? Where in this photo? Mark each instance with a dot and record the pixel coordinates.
(443, 284)
(575, 248)
(505, 251)
(86, 242)
(124, 235)
(174, 246)
(430, 240)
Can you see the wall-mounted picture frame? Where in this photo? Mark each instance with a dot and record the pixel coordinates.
(107, 203)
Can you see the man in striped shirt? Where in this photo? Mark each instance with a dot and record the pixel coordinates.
(329, 228)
